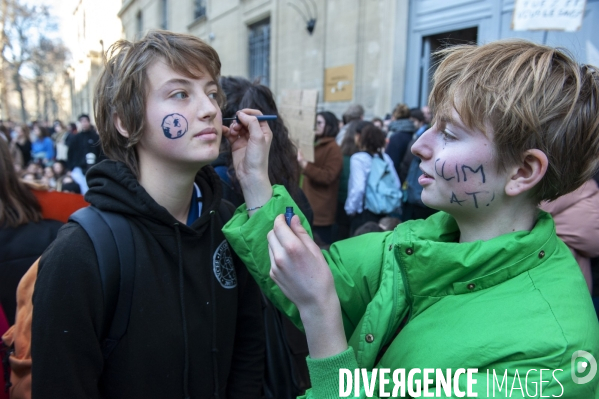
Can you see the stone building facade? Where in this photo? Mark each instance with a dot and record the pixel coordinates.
(269, 39)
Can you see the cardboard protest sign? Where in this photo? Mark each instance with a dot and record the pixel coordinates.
(298, 109)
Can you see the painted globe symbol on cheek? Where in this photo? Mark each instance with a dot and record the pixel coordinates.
(174, 126)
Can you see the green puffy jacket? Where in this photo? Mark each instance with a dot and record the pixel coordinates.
(415, 299)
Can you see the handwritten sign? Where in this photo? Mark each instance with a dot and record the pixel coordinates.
(565, 15)
(298, 109)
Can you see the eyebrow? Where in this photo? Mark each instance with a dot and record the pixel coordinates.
(457, 123)
(185, 82)
(177, 81)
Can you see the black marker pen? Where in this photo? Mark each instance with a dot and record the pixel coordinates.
(288, 215)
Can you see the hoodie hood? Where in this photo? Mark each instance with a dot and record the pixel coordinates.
(576, 216)
(114, 188)
(587, 193)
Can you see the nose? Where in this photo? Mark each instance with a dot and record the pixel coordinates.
(207, 108)
(422, 148)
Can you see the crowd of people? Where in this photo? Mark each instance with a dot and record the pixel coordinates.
(460, 197)
(55, 156)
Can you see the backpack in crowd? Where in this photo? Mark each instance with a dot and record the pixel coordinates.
(382, 195)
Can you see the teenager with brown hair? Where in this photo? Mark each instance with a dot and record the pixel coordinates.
(195, 324)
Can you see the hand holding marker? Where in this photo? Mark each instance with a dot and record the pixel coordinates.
(288, 210)
(259, 117)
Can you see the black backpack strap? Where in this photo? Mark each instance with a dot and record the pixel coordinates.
(112, 238)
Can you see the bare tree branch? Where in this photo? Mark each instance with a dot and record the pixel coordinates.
(28, 52)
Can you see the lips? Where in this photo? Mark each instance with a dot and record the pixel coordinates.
(425, 178)
(426, 174)
(206, 134)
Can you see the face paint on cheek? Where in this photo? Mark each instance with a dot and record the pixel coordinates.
(492, 198)
(474, 171)
(174, 126)
(473, 198)
(442, 174)
(455, 200)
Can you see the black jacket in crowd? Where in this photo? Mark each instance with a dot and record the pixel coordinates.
(80, 145)
(401, 132)
(220, 305)
(19, 248)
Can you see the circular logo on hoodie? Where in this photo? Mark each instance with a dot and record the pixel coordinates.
(224, 269)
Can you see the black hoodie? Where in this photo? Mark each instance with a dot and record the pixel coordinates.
(195, 328)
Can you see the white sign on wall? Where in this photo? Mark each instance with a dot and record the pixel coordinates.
(565, 15)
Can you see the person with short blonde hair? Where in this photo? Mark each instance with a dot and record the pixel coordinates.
(531, 97)
(484, 287)
(195, 327)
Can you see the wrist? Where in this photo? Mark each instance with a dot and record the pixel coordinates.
(253, 186)
(324, 328)
(256, 193)
(320, 310)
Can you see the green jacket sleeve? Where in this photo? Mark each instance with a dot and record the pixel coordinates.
(324, 374)
(355, 263)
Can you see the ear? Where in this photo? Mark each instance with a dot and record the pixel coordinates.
(528, 173)
(118, 124)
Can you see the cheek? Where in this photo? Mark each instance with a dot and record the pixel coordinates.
(218, 121)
